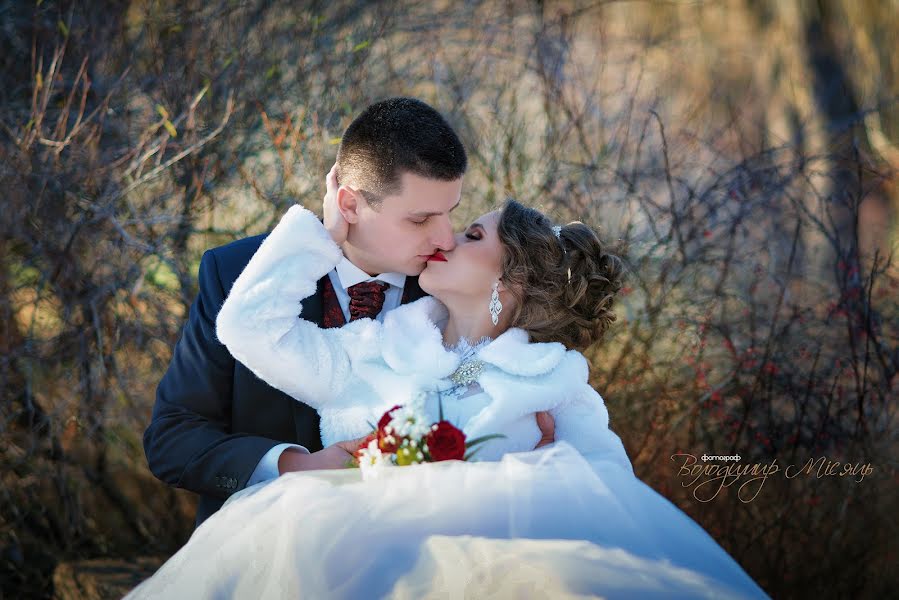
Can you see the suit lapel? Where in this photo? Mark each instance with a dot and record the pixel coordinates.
(412, 291)
(312, 311)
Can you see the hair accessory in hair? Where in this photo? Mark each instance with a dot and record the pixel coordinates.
(557, 229)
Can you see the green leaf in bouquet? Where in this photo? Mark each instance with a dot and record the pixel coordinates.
(471, 454)
(483, 438)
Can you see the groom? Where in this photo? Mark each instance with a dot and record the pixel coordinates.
(217, 428)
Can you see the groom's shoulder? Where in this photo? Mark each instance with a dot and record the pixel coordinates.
(242, 249)
(230, 259)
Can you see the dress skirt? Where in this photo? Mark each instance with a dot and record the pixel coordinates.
(548, 523)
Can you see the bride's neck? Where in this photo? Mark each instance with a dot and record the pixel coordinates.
(470, 326)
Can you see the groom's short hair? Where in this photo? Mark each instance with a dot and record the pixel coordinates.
(394, 136)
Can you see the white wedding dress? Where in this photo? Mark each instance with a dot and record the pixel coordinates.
(539, 524)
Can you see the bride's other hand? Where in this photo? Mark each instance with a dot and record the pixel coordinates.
(547, 426)
(334, 222)
(334, 456)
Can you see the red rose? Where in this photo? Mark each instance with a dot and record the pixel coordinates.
(385, 420)
(446, 442)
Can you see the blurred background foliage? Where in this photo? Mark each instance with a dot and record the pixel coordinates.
(741, 155)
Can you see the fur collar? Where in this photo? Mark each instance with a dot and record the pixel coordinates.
(412, 343)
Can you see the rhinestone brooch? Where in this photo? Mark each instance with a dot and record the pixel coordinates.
(468, 372)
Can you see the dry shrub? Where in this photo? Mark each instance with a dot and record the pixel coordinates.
(756, 214)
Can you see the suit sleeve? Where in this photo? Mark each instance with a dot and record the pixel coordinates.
(188, 443)
(259, 323)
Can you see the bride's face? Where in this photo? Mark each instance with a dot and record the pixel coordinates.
(471, 268)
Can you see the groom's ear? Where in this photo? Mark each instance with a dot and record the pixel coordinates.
(348, 203)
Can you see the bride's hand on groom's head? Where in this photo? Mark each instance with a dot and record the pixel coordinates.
(334, 222)
(547, 426)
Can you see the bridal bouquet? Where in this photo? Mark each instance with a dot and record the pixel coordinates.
(404, 436)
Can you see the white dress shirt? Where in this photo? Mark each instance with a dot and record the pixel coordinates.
(344, 275)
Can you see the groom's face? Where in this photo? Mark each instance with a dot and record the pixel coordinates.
(406, 228)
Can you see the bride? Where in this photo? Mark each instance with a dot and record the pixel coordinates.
(493, 344)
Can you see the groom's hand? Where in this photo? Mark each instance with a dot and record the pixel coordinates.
(547, 426)
(333, 220)
(334, 456)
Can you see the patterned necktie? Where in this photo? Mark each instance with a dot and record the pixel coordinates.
(366, 299)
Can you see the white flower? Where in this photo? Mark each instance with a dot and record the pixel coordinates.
(371, 459)
(409, 420)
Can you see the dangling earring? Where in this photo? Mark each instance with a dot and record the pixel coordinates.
(496, 306)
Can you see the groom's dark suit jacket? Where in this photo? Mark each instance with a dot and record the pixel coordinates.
(214, 419)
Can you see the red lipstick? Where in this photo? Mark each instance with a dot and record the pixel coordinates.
(437, 256)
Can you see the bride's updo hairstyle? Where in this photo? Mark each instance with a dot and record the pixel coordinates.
(551, 305)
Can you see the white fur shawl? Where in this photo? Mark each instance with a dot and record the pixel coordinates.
(351, 375)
